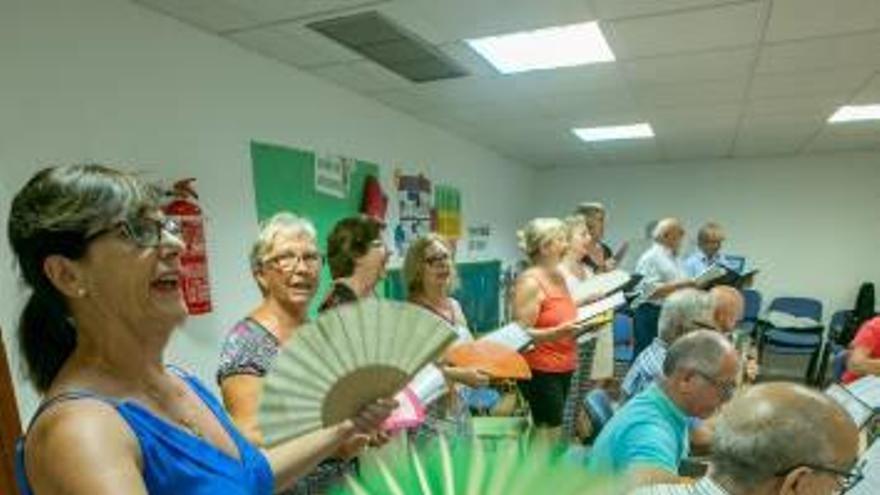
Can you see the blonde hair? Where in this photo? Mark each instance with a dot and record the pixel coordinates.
(413, 269)
(575, 222)
(537, 233)
(282, 223)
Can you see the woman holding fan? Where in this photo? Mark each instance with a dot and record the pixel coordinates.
(104, 267)
(429, 276)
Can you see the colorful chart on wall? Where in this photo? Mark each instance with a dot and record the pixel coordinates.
(324, 190)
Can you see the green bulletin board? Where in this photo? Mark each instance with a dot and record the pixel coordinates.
(284, 179)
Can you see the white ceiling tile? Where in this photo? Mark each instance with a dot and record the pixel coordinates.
(816, 107)
(774, 135)
(832, 83)
(211, 15)
(870, 93)
(693, 145)
(615, 9)
(822, 53)
(278, 10)
(454, 20)
(721, 64)
(702, 30)
(847, 137)
(363, 77)
(799, 19)
(712, 93)
(684, 121)
(627, 151)
(590, 109)
(295, 45)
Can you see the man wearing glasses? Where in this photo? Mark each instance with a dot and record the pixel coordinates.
(648, 438)
(778, 438)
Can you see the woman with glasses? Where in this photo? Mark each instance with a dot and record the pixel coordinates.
(357, 256)
(429, 276)
(286, 265)
(104, 266)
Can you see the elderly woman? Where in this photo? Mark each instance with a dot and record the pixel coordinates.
(543, 305)
(286, 264)
(357, 256)
(104, 266)
(429, 275)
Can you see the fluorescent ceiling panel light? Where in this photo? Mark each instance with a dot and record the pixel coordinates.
(634, 131)
(549, 48)
(855, 113)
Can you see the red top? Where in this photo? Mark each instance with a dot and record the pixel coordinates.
(558, 356)
(868, 337)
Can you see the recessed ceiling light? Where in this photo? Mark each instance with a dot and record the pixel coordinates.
(634, 131)
(548, 48)
(854, 113)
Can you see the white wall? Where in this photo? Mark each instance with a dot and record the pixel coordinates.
(104, 80)
(811, 223)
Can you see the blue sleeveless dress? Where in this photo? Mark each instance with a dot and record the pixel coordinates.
(175, 461)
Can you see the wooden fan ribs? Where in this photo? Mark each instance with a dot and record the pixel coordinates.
(345, 360)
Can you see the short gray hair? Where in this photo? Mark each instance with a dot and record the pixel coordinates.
(682, 313)
(771, 428)
(700, 351)
(664, 226)
(282, 223)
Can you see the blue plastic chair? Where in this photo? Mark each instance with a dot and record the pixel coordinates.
(623, 338)
(752, 305)
(599, 409)
(805, 307)
(838, 364)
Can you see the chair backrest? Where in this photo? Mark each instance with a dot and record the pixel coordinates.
(623, 329)
(597, 403)
(752, 305)
(806, 307)
(838, 364)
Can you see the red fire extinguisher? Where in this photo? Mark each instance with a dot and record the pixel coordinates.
(194, 258)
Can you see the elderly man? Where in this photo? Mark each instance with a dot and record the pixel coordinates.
(683, 312)
(729, 306)
(662, 274)
(708, 253)
(777, 438)
(662, 271)
(648, 438)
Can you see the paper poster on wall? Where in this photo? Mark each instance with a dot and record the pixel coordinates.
(414, 210)
(447, 209)
(478, 238)
(333, 175)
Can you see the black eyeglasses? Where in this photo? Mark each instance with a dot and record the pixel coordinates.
(144, 231)
(725, 389)
(289, 260)
(846, 480)
(437, 260)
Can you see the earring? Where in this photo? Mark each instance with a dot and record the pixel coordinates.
(81, 292)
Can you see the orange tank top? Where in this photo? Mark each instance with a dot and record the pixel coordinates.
(559, 356)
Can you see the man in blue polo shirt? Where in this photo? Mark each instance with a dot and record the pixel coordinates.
(648, 438)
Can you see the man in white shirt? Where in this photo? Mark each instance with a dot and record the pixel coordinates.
(777, 439)
(662, 270)
(709, 240)
(662, 274)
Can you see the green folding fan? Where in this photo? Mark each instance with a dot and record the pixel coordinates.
(472, 467)
(347, 358)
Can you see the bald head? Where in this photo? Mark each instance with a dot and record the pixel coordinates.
(774, 428)
(669, 232)
(728, 307)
